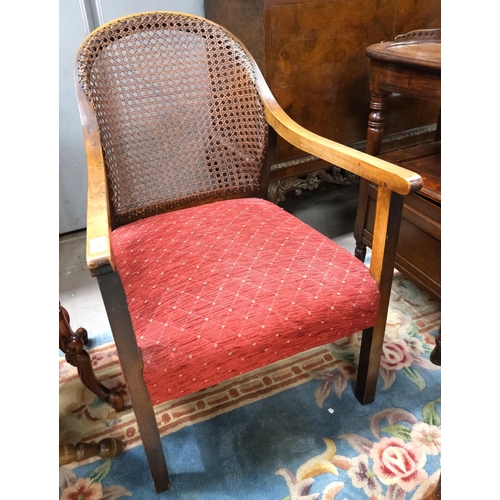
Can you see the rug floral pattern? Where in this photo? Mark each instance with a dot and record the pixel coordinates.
(389, 450)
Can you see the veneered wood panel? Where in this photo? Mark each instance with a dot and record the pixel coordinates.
(312, 54)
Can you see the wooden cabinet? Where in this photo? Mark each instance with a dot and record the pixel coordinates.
(312, 54)
(418, 254)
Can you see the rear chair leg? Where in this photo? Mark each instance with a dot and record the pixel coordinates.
(130, 359)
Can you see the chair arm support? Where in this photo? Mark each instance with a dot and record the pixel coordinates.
(98, 213)
(380, 172)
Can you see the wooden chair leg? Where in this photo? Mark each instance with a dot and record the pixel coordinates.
(359, 224)
(131, 362)
(435, 356)
(373, 338)
(72, 344)
(106, 448)
(369, 364)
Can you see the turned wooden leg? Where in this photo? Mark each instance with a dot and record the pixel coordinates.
(376, 122)
(106, 448)
(359, 223)
(435, 356)
(72, 344)
(360, 251)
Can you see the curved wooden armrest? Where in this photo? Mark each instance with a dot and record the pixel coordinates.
(393, 182)
(98, 219)
(380, 172)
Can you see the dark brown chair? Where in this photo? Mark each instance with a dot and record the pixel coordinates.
(201, 277)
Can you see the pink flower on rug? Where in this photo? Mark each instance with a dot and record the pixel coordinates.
(398, 463)
(88, 488)
(83, 489)
(395, 355)
(426, 438)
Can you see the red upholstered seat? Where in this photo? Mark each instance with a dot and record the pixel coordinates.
(220, 289)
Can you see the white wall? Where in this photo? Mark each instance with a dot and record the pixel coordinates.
(76, 19)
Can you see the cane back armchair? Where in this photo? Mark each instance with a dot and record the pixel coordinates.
(202, 278)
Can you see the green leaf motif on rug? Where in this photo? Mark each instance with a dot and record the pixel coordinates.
(415, 376)
(400, 431)
(430, 414)
(100, 472)
(348, 357)
(413, 331)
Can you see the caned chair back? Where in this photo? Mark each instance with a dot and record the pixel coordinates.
(179, 118)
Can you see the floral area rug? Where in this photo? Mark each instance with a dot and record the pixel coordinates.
(291, 431)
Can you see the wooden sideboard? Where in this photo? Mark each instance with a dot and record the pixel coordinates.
(312, 54)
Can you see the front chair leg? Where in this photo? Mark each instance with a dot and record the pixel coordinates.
(369, 364)
(115, 303)
(382, 266)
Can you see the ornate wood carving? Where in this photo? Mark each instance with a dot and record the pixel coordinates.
(418, 35)
(278, 189)
(72, 344)
(336, 175)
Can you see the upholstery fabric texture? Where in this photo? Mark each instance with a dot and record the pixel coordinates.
(225, 288)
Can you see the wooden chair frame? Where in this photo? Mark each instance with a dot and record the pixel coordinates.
(393, 184)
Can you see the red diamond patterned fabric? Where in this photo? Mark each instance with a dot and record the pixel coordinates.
(225, 288)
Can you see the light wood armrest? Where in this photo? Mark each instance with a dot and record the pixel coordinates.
(392, 180)
(98, 220)
(380, 172)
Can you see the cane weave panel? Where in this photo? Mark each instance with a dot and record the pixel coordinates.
(179, 116)
(225, 288)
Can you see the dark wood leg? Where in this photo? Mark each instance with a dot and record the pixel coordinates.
(359, 223)
(435, 356)
(373, 338)
(72, 344)
(106, 448)
(376, 122)
(374, 135)
(131, 362)
(437, 135)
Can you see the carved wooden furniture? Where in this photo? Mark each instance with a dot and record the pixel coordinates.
(106, 448)
(72, 344)
(312, 54)
(411, 64)
(202, 278)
